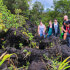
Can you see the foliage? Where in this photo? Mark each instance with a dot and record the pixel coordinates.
(27, 65)
(25, 33)
(28, 53)
(20, 45)
(30, 36)
(33, 44)
(5, 58)
(64, 64)
(37, 10)
(11, 67)
(62, 6)
(56, 65)
(24, 50)
(18, 4)
(10, 20)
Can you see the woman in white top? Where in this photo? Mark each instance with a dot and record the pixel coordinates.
(41, 29)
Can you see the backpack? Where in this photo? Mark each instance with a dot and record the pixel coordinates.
(68, 29)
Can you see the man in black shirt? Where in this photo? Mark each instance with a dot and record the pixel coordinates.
(64, 27)
(67, 23)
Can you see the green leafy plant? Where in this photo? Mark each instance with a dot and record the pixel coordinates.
(20, 45)
(5, 58)
(25, 33)
(30, 36)
(11, 67)
(54, 63)
(33, 44)
(14, 32)
(28, 53)
(25, 50)
(64, 64)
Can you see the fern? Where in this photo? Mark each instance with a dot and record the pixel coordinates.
(5, 58)
(64, 63)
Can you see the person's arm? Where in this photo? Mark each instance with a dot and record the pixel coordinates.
(38, 30)
(45, 28)
(63, 29)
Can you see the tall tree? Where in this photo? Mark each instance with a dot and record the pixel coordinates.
(36, 11)
(62, 6)
(17, 4)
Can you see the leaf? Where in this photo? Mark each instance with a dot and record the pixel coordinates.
(25, 50)
(5, 57)
(63, 63)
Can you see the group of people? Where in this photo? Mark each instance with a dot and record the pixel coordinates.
(54, 29)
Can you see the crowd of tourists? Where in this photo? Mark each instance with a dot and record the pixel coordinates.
(54, 29)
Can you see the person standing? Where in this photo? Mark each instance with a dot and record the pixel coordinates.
(55, 28)
(41, 29)
(49, 29)
(67, 24)
(64, 27)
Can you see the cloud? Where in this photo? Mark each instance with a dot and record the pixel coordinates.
(45, 3)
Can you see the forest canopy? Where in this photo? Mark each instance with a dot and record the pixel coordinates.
(20, 8)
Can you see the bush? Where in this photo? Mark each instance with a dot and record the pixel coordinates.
(11, 20)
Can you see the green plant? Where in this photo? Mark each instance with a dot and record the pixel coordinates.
(25, 33)
(54, 63)
(30, 36)
(14, 32)
(3, 47)
(33, 44)
(10, 20)
(5, 58)
(20, 45)
(28, 53)
(25, 50)
(11, 67)
(64, 64)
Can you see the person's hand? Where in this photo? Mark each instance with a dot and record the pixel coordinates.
(43, 32)
(66, 31)
(38, 33)
(47, 33)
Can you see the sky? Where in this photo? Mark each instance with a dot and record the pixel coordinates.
(45, 3)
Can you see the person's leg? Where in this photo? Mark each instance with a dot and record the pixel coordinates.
(68, 39)
(48, 36)
(41, 35)
(65, 36)
(55, 34)
(44, 36)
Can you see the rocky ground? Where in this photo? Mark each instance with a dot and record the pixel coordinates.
(31, 53)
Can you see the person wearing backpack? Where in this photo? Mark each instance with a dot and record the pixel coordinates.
(67, 24)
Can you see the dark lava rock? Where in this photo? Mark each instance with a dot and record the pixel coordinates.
(15, 36)
(37, 66)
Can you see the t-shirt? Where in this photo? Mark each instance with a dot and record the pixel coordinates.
(50, 31)
(64, 25)
(67, 22)
(56, 28)
(41, 29)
